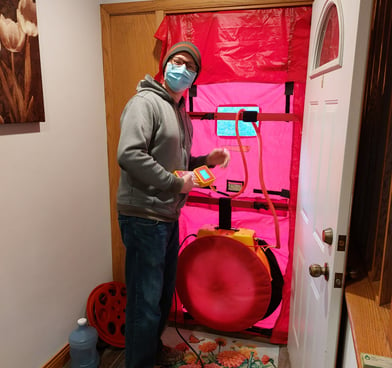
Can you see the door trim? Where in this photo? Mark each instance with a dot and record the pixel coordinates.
(160, 8)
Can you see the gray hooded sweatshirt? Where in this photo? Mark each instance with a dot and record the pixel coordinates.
(155, 140)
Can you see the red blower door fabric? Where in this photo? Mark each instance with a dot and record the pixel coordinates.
(223, 283)
(258, 45)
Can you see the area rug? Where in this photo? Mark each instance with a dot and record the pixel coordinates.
(216, 351)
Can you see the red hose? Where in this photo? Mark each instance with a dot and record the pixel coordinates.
(261, 175)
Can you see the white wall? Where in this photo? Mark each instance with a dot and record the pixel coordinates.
(55, 243)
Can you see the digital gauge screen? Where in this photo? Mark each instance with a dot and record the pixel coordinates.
(204, 175)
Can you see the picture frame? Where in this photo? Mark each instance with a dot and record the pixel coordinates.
(21, 93)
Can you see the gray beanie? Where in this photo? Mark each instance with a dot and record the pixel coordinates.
(183, 46)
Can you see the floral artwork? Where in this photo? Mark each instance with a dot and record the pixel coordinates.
(21, 97)
(218, 351)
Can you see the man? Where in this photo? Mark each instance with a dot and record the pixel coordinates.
(155, 140)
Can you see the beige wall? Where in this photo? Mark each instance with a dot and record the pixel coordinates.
(54, 193)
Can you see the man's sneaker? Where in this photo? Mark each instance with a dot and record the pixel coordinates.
(168, 356)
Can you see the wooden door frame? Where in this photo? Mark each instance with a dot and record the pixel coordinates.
(160, 8)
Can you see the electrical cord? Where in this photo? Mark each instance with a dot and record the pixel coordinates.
(182, 337)
(175, 315)
(183, 240)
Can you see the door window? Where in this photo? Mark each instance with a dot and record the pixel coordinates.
(329, 46)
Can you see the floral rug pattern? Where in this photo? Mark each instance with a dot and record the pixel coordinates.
(221, 351)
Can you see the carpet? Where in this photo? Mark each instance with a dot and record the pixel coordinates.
(220, 350)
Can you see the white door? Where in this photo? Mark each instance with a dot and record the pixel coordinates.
(333, 104)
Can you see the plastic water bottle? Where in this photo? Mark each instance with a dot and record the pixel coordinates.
(83, 346)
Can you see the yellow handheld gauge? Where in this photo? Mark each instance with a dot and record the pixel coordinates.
(181, 173)
(202, 176)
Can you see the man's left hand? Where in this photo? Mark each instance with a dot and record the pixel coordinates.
(218, 156)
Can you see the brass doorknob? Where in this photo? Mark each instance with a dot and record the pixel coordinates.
(328, 235)
(315, 270)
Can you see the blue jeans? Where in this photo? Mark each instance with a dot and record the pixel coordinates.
(150, 272)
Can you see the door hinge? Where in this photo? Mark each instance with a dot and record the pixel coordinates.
(338, 282)
(342, 243)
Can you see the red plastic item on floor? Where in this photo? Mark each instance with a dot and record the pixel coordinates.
(106, 312)
(223, 283)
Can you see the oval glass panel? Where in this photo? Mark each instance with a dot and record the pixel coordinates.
(330, 43)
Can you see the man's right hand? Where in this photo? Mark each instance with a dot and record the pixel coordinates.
(188, 183)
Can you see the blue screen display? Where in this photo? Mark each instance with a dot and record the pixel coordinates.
(226, 128)
(204, 174)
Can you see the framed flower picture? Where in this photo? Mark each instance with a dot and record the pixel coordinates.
(21, 96)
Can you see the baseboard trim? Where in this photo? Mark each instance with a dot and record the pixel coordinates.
(60, 359)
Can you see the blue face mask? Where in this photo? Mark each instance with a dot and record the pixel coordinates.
(178, 77)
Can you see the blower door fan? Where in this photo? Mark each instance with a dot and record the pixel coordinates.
(222, 283)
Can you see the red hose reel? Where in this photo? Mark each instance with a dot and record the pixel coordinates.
(106, 312)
